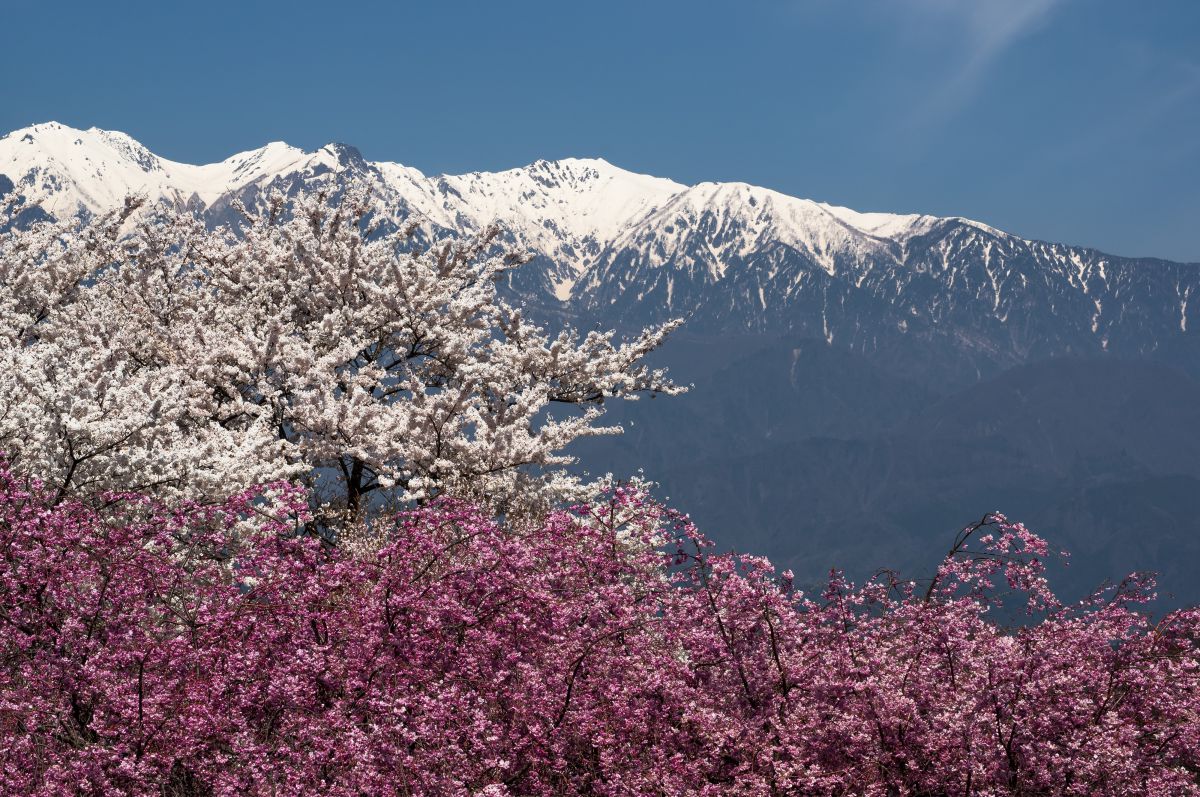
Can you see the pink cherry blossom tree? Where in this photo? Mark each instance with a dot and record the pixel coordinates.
(195, 650)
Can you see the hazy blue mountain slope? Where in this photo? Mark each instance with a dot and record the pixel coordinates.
(1100, 455)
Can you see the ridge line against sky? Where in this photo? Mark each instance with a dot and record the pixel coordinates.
(1067, 120)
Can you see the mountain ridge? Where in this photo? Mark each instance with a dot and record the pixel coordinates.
(610, 244)
(166, 179)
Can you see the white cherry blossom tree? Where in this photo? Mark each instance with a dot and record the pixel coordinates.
(317, 342)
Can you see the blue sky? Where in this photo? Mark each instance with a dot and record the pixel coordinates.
(1070, 120)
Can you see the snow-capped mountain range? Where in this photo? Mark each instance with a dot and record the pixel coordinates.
(864, 381)
(619, 247)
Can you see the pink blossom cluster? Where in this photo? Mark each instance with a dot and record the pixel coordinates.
(212, 650)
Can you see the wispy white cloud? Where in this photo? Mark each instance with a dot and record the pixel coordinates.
(988, 28)
(972, 36)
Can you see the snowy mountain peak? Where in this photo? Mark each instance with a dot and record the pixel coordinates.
(582, 198)
(66, 170)
(277, 153)
(345, 155)
(130, 149)
(641, 247)
(568, 209)
(883, 225)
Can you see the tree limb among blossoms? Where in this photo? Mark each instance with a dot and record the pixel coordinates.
(144, 351)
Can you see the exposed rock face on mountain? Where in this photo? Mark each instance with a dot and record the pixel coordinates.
(737, 259)
(865, 381)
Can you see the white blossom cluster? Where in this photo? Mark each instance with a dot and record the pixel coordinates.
(145, 351)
